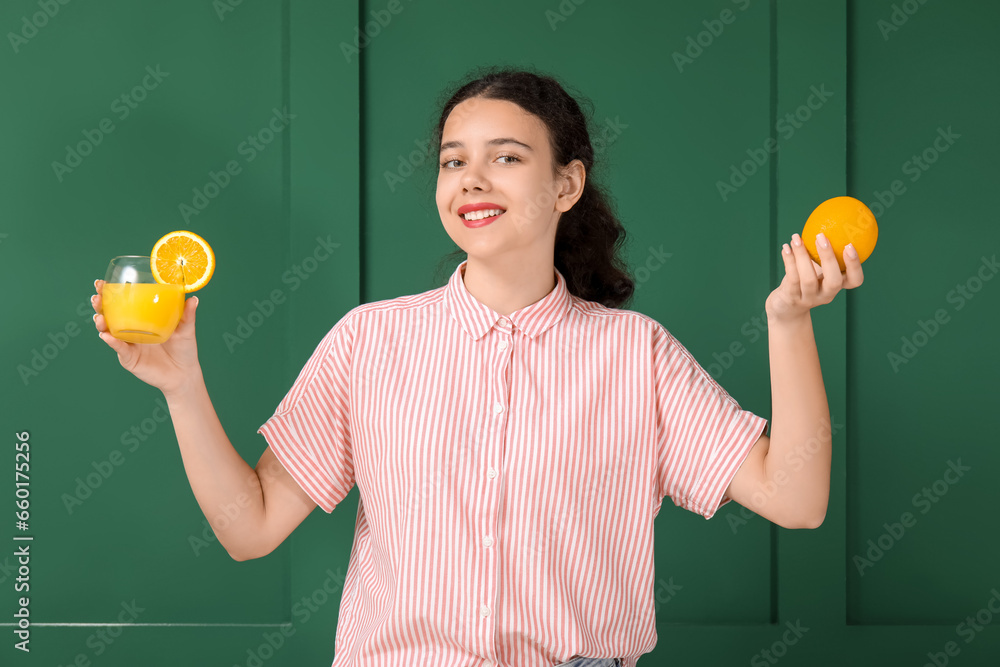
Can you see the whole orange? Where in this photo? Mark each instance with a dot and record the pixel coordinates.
(842, 220)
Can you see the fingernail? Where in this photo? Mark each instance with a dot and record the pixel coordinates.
(821, 241)
(796, 239)
(850, 251)
(93, 298)
(94, 317)
(786, 250)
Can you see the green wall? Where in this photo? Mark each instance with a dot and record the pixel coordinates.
(903, 97)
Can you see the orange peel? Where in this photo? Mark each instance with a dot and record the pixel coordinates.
(842, 220)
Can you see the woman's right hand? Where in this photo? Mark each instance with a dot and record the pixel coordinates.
(168, 366)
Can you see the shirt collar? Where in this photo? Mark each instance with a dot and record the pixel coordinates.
(477, 318)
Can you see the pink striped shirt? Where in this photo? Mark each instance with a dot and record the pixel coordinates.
(509, 469)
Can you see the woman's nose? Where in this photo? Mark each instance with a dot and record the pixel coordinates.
(474, 177)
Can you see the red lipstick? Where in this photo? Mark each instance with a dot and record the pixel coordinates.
(480, 206)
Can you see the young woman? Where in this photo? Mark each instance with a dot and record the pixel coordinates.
(512, 434)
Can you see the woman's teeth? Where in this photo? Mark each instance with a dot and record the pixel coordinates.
(479, 215)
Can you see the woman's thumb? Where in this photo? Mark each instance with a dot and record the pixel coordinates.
(190, 306)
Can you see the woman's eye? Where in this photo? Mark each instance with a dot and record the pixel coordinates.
(513, 159)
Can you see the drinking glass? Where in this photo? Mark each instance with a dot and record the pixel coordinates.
(138, 309)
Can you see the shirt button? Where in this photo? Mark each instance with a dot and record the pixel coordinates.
(484, 611)
(502, 345)
(491, 473)
(488, 541)
(497, 408)
(504, 322)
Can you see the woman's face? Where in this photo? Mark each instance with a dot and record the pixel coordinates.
(515, 175)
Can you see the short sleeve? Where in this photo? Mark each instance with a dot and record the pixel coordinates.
(310, 432)
(703, 435)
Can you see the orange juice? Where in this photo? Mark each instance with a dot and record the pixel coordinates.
(142, 312)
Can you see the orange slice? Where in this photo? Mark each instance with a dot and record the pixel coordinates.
(182, 258)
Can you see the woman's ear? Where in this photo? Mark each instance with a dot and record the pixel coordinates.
(573, 178)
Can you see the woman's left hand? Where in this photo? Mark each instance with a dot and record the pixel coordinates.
(807, 284)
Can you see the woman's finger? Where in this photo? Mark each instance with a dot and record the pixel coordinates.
(790, 283)
(107, 338)
(832, 277)
(119, 346)
(855, 276)
(809, 283)
(187, 315)
(791, 270)
(96, 300)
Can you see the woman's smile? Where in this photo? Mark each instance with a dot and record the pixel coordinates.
(481, 222)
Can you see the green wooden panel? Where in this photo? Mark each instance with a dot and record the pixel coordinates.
(923, 362)
(689, 93)
(809, 121)
(324, 187)
(135, 531)
(129, 537)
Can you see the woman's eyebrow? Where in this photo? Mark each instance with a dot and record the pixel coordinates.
(492, 142)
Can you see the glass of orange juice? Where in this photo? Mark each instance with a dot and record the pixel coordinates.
(136, 307)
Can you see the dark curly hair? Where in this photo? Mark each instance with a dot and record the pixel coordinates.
(589, 236)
